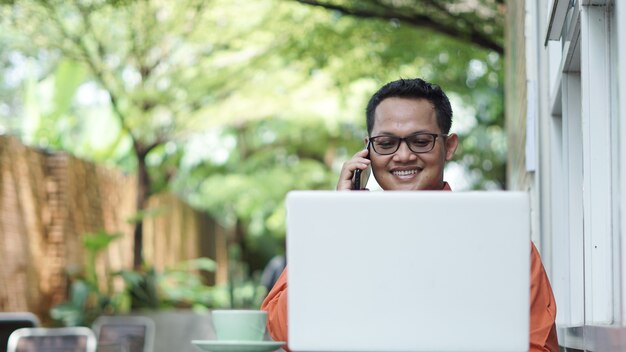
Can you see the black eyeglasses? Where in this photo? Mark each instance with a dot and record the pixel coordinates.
(420, 142)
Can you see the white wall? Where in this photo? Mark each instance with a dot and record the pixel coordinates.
(575, 88)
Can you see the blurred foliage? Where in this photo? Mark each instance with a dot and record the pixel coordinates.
(243, 290)
(87, 299)
(157, 65)
(179, 286)
(240, 101)
(479, 22)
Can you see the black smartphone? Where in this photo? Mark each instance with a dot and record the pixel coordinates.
(360, 177)
(359, 180)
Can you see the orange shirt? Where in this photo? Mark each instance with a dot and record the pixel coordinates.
(542, 307)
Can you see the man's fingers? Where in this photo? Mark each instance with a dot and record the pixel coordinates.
(358, 161)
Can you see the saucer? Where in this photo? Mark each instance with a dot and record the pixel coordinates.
(237, 346)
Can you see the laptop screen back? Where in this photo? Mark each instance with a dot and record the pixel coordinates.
(408, 271)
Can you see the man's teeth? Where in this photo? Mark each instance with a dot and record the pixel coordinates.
(405, 172)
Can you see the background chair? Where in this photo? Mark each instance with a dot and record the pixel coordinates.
(10, 322)
(74, 339)
(124, 333)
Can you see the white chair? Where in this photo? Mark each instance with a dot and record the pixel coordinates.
(124, 333)
(73, 339)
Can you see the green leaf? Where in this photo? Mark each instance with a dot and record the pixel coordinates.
(96, 242)
(146, 213)
(68, 313)
(79, 293)
(202, 263)
(69, 75)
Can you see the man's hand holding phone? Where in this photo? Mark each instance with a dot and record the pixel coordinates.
(347, 180)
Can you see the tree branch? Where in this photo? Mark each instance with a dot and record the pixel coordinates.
(89, 60)
(458, 18)
(417, 20)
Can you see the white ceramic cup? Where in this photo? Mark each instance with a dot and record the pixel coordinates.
(239, 325)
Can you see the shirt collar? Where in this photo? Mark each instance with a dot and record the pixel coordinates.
(446, 186)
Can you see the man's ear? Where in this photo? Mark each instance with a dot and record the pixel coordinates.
(452, 142)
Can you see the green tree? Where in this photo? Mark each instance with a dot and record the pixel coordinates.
(159, 63)
(385, 40)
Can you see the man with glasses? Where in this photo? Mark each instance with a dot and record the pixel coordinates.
(408, 124)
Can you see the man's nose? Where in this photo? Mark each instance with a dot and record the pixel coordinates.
(404, 153)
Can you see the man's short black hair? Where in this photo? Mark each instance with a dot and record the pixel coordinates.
(415, 88)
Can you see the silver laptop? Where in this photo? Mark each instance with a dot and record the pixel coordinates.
(408, 271)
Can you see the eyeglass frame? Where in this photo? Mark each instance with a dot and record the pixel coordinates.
(404, 139)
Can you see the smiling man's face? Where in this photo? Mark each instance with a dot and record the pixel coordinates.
(404, 169)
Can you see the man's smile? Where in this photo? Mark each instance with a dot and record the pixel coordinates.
(405, 172)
